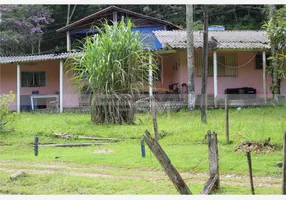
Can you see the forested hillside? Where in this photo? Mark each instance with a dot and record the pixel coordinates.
(27, 29)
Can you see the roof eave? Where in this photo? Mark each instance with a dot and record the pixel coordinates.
(69, 27)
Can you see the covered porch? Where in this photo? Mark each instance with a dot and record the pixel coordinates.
(237, 63)
(38, 82)
(239, 74)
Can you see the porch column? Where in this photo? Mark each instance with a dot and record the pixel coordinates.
(215, 76)
(114, 17)
(68, 41)
(61, 85)
(18, 88)
(264, 76)
(150, 76)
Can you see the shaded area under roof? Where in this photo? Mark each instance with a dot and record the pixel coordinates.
(242, 39)
(89, 20)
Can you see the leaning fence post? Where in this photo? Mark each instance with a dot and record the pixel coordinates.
(284, 165)
(36, 146)
(165, 162)
(250, 171)
(226, 119)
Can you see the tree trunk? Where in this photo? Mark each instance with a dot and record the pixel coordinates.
(68, 14)
(32, 48)
(190, 50)
(205, 68)
(235, 15)
(39, 46)
(275, 81)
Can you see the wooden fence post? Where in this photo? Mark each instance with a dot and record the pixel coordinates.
(154, 117)
(284, 165)
(250, 171)
(36, 146)
(165, 162)
(226, 119)
(213, 157)
(142, 148)
(213, 182)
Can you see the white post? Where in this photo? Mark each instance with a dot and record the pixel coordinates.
(68, 41)
(150, 76)
(215, 76)
(264, 76)
(162, 70)
(114, 17)
(18, 88)
(61, 85)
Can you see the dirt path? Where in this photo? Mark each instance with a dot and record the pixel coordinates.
(114, 172)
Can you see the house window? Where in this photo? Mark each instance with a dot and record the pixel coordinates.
(259, 61)
(33, 79)
(225, 64)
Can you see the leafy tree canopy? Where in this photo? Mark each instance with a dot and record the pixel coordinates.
(22, 26)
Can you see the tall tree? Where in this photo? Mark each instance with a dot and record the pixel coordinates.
(190, 50)
(276, 29)
(69, 16)
(275, 86)
(204, 93)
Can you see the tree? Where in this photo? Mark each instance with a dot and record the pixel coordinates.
(276, 31)
(114, 66)
(22, 27)
(190, 50)
(204, 93)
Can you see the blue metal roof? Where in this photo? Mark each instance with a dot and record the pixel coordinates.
(144, 32)
(216, 28)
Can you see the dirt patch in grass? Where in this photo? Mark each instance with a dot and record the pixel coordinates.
(256, 146)
(102, 151)
(129, 173)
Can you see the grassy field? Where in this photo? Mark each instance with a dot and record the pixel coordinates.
(122, 170)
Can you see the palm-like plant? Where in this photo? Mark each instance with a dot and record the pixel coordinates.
(114, 65)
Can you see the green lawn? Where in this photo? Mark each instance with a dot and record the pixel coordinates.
(184, 143)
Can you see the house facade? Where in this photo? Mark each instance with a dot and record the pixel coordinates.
(237, 59)
(40, 75)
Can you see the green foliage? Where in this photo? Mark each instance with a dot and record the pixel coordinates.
(276, 31)
(245, 23)
(280, 61)
(114, 67)
(5, 115)
(22, 27)
(198, 25)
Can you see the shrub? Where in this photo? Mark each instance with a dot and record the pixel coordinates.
(5, 115)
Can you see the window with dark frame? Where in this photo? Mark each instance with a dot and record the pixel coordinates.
(259, 61)
(33, 79)
(225, 64)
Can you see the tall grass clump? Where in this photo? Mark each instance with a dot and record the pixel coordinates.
(114, 67)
